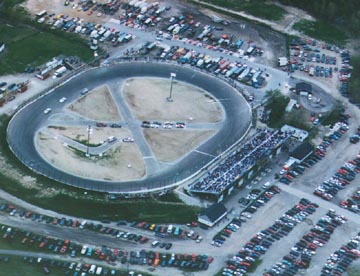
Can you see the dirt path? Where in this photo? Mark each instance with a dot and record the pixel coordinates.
(285, 25)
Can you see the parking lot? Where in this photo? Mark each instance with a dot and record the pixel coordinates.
(190, 38)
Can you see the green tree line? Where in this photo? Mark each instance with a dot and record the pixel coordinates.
(342, 13)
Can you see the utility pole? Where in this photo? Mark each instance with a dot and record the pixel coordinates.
(172, 76)
(89, 131)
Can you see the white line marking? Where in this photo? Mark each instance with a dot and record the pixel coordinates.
(204, 153)
(148, 157)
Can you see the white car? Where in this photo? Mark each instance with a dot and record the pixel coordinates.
(128, 140)
(47, 110)
(63, 99)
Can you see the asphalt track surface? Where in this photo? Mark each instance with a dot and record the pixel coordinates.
(27, 121)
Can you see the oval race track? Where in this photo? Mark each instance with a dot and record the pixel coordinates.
(26, 122)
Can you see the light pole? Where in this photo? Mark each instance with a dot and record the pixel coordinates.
(89, 131)
(172, 76)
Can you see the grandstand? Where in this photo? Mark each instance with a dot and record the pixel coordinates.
(221, 179)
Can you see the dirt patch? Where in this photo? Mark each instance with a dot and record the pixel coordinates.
(98, 135)
(170, 145)
(97, 105)
(58, 7)
(147, 99)
(121, 163)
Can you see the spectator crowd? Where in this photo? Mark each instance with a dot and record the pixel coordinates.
(259, 147)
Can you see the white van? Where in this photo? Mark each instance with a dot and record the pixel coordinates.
(266, 185)
(84, 249)
(155, 243)
(99, 270)
(92, 269)
(83, 224)
(170, 229)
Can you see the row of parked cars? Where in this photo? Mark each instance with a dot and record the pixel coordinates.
(352, 203)
(345, 73)
(244, 260)
(340, 128)
(347, 173)
(304, 54)
(185, 28)
(104, 253)
(338, 262)
(48, 266)
(164, 231)
(239, 71)
(165, 125)
(354, 139)
(302, 252)
(155, 259)
(96, 32)
(142, 14)
(74, 223)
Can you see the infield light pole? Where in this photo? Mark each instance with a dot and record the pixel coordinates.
(89, 131)
(172, 76)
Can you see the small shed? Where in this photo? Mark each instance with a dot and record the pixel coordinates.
(213, 214)
(302, 152)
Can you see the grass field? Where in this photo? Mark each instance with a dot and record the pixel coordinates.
(255, 7)
(28, 46)
(17, 266)
(322, 31)
(92, 205)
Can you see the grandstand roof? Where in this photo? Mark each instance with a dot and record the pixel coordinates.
(302, 151)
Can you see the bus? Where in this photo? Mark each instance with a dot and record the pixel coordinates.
(41, 14)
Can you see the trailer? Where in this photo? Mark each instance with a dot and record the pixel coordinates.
(231, 71)
(52, 64)
(41, 14)
(254, 79)
(239, 70)
(250, 50)
(151, 46)
(244, 74)
(59, 72)
(43, 76)
(107, 34)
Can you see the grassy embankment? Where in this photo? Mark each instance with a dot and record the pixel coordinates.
(30, 43)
